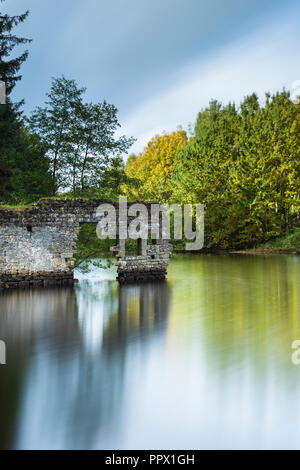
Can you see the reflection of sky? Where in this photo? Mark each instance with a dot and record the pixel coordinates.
(200, 362)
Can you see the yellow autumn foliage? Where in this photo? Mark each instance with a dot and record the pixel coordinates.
(150, 174)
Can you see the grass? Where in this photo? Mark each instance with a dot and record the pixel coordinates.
(31, 204)
(290, 241)
(18, 207)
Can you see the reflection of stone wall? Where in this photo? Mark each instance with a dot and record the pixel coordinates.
(32, 321)
(25, 315)
(37, 244)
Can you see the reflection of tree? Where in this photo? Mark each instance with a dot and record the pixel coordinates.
(248, 312)
(96, 401)
(140, 311)
(246, 304)
(142, 308)
(83, 363)
(24, 318)
(65, 379)
(252, 307)
(10, 385)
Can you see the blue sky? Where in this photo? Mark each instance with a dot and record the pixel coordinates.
(159, 61)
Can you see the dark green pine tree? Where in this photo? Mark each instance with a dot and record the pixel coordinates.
(24, 169)
(9, 67)
(10, 123)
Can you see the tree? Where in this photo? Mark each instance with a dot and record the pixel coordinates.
(99, 124)
(9, 144)
(243, 165)
(9, 67)
(79, 136)
(267, 170)
(152, 170)
(24, 168)
(202, 169)
(131, 159)
(55, 125)
(112, 179)
(30, 177)
(16, 144)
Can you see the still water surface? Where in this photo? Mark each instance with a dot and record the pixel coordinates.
(201, 361)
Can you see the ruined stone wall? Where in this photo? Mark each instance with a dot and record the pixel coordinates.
(149, 267)
(38, 243)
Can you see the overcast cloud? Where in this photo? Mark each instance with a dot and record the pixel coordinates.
(159, 61)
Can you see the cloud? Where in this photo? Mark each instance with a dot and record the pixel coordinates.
(266, 61)
(159, 61)
(127, 51)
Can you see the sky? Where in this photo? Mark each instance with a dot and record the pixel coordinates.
(159, 61)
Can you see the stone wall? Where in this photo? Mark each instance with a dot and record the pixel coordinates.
(38, 243)
(151, 266)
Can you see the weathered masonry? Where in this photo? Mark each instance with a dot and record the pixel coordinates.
(38, 243)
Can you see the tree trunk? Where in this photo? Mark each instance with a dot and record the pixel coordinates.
(83, 168)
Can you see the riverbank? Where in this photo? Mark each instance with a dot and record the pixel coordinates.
(289, 244)
(267, 251)
(90, 247)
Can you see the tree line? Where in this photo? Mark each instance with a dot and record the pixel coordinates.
(242, 163)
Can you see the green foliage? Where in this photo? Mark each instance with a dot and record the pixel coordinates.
(292, 240)
(112, 179)
(90, 249)
(243, 165)
(24, 168)
(24, 175)
(10, 66)
(9, 144)
(131, 159)
(80, 137)
(30, 176)
(150, 174)
(55, 125)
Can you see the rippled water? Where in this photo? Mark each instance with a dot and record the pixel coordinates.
(201, 361)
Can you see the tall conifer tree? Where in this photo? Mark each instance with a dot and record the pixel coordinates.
(9, 67)
(9, 117)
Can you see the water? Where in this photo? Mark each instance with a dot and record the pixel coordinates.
(202, 361)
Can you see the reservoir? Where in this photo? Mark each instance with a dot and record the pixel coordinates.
(200, 361)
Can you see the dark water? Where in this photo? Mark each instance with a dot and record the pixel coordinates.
(202, 361)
